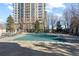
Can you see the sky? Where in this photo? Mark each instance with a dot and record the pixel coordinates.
(6, 9)
(56, 9)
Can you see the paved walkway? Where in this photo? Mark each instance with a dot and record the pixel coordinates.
(37, 49)
(8, 47)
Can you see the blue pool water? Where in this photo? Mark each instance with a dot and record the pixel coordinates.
(39, 37)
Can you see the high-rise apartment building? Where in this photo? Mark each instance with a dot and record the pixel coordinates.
(26, 14)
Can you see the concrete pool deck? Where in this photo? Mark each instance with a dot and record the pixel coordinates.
(9, 47)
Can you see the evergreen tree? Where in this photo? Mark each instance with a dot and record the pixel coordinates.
(37, 26)
(10, 24)
(59, 28)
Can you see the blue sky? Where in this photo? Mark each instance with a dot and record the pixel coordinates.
(55, 8)
(5, 11)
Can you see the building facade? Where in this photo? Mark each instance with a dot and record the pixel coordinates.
(2, 28)
(25, 15)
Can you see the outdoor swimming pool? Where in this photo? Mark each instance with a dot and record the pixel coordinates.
(40, 37)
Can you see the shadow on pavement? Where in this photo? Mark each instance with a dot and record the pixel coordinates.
(14, 49)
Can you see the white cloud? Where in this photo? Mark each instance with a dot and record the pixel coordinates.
(7, 3)
(1, 21)
(49, 10)
(58, 14)
(10, 7)
(50, 6)
(56, 5)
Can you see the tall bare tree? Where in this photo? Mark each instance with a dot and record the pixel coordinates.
(72, 16)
